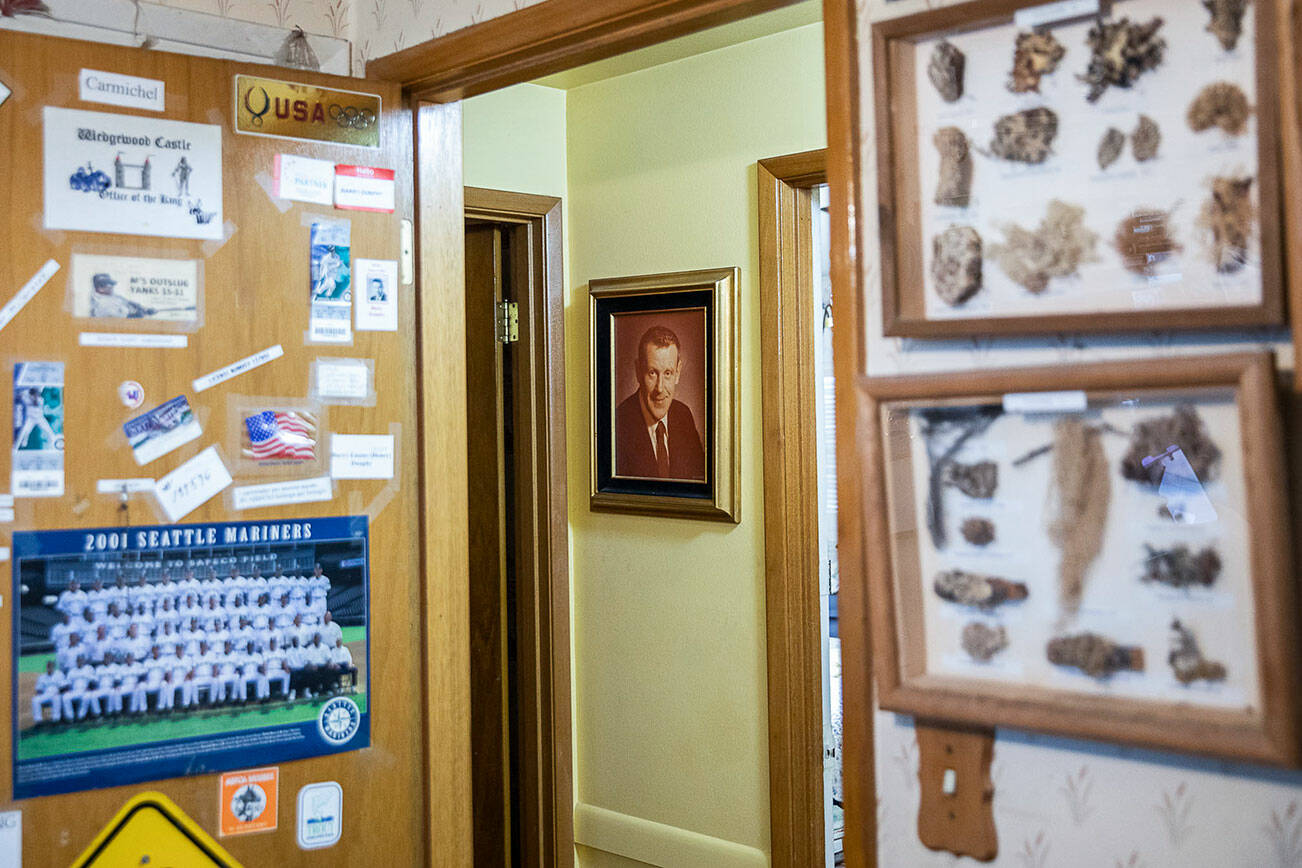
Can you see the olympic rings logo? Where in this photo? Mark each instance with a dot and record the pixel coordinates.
(349, 116)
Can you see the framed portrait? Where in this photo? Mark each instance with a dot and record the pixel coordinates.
(1115, 169)
(664, 395)
(1098, 552)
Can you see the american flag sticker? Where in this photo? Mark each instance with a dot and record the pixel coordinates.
(281, 435)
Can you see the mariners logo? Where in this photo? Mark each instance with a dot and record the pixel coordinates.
(339, 721)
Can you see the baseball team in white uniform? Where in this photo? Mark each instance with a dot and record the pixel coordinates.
(190, 644)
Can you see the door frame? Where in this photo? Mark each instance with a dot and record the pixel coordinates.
(539, 40)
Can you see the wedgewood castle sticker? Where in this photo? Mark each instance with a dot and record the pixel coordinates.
(285, 109)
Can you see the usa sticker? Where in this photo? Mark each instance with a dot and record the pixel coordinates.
(37, 468)
(363, 188)
(320, 815)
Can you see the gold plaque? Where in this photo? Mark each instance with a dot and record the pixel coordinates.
(267, 107)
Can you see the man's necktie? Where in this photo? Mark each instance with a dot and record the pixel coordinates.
(662, 450)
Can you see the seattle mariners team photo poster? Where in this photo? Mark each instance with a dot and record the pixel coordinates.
(152, 652)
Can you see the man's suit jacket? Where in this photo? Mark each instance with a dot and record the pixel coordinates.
(634, 454)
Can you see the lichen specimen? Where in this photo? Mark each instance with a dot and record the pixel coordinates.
(1227, 20)
(1178, 567)
(1110, 147)
(945, 69)
(1220, 104)
(1144, 240)
(1095, 655)
(1056, 248)
(975, 589)
(1121, 51)
(982, 642)
(944, 431)
(1081, 490)
(956, 264)
(955, 187)
(1026, 136)
(978, 531)
(1035, 55)
(1229, 216)
(1183, 428)
(1187, 660)
(1146, 138)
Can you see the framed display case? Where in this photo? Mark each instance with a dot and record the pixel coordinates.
(1100, 172)
(1101, 551)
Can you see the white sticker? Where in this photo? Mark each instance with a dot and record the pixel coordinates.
(1049, 13)
(134, 341)
(118, 486)
(30, 288)
(131, 394)
(4, 93)
(1045, 402)
(348, 379)
(207, 381)
(6, 513)
(304, 179)
(363, 188)
(11, 839)
(4, 553)
(127, 91)
(320, 815)
(281, 493)
(361, 456)
(192, 484)
(6, 500)
(375, 284)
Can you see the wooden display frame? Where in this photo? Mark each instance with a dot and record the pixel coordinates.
(1269, 736)
(900, 195)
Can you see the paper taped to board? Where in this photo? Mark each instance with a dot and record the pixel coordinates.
(207, 381)
(361, 456)
(29, 290)
(282, 493)
(133, 341)
(192, 484)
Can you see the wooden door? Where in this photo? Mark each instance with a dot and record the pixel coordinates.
(256, 282)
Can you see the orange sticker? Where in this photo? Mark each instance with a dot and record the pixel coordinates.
(249, 801)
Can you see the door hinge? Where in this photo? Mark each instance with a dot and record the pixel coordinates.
(508, 322)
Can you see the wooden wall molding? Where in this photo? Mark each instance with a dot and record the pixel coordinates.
(660, 844)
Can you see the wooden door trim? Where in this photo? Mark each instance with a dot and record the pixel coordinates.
(543, 600)
(788, 321)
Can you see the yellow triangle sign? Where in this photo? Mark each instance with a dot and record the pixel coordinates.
(152, 832)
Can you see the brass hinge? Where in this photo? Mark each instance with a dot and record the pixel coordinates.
(508, 322)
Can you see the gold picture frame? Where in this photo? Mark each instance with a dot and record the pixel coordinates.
(663, 398)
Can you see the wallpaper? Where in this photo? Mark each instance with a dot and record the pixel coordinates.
(327, 17)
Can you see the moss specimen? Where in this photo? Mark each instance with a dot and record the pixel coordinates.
(1056, 248)
(977, 480)
(1121, 51)
(945, 69)
(1095, 655)
(1146, 138)
(1187, 660)
(1110, 147)
(1227, 20)
(1026, 136)
(956, 264)
(1220, 104)
(955, 186)
(1082, 489)
(1229, 216)
(1035, 55)
(1178, 567)
(978, 531)
(982, 642)
(1183, 428)
(975, 589)
(1144, 239)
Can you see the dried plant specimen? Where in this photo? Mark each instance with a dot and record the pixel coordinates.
(1183, 428)
(1056, 248)
(945, 69)
(1187, 660)
(1026, 136)
(1146, 138)
(1178, 567)
(1229, 215)
(975, 589)
(1227, 20)
(978, 531)
(944, 431)
(1082, 492)
(982, 642)
(1220, 104)
(955, 187)
(1144, 240)
(1110, 147)
(1035, 55)
(1095, 655)
(956, 264)
(1121, 52)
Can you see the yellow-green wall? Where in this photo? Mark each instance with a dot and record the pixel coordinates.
(514, 139)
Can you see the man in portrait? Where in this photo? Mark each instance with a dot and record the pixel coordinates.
(655, 435)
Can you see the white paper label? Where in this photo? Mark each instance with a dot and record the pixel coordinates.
(1064, 10)
(11, 837)
(127, 340)
(29, 290)
(6, 500)
(361, 456)
(117, 486)
(1045, 402)
(342, 378)
(192, 484)
(320, 815)
(127, 91)
(304, 179)
(363, 188)
(281, 493)
(4, 556)
(6, 514)
(375, 283)
(207, 381)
